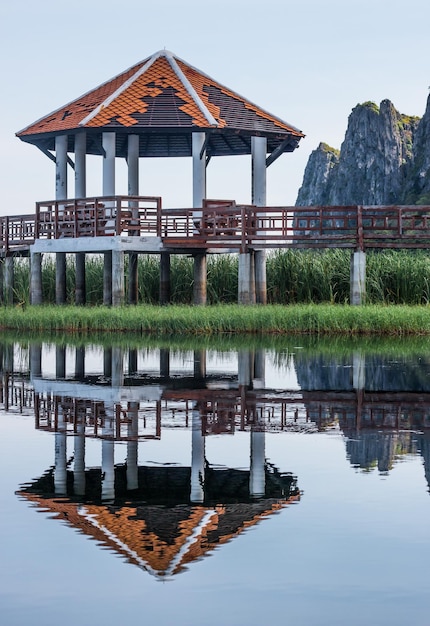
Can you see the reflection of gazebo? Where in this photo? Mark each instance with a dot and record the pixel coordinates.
(156, 527)
(160, 107)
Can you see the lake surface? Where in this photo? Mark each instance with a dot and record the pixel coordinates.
(233, 484)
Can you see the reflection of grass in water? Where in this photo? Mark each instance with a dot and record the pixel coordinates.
(282, 345)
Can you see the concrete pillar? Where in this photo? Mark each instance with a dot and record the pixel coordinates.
(117, 278)
(258, 153)
(60, 362)
(197, 494)
(199, 170)
(36, 289)
(133, 293)
(60, 278)
(133, 190)
(80, 279)
(60, 468)
(80, 165)
(109, 151)
(257, 477)
(164, 278)
(200, 279)
(8, 279)
(61, 167)
(246, 278)
(132, 471)
(133, 165)
(358, 278)
(107, 278)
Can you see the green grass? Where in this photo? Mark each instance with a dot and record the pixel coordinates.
(322, 319)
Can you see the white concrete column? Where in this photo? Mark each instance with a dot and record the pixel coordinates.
(8, 279)
(133, 165)
(258, 157)
(199, 169)
(60, 469)
(259, 185)
(257, 478)
(358, 278)
(117, 278)
(36, 292)
(197, 459)
(80, 165)
(246, 278)
(117, 367)
(109, 151)
(244, 366)
(61, 167)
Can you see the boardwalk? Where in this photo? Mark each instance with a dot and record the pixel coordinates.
(133, 225)
(218, 226)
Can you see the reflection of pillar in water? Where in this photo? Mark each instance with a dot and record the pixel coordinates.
(117, 367)
(79, 462)
(199, 363)
(164, 362)
(107, 362)
(358, 370)
(132, 362)
(60, 362)
(60, 471)
(257, 479)
(260, 369)
(197, 459)
(108, 460)
(80, 362)
(244, 367)
(132, 468)
(35, 360)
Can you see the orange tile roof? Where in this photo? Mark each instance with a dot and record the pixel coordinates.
(161, 92)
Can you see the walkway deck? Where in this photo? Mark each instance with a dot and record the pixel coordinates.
(141, 224)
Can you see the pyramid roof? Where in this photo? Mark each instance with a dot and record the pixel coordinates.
(163, 99)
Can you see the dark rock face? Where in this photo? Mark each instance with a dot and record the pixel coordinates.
(384, 159)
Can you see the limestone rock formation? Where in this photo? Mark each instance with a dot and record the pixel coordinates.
(384, 159)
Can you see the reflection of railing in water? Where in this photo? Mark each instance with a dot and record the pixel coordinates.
(225, 411)
(16, 393)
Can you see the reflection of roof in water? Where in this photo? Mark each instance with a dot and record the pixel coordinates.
(164, 532)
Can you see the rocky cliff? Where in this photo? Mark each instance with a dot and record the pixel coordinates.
(384, 159)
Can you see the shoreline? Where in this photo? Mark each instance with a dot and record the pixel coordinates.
(212, 320)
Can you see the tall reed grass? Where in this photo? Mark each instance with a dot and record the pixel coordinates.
(293, 276)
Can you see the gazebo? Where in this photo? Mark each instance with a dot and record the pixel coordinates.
(160, 107)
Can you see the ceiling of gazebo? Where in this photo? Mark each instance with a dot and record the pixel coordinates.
(164, 100)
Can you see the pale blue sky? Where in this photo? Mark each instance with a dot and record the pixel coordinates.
(306, 61)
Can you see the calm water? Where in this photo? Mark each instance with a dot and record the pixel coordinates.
(284, 484)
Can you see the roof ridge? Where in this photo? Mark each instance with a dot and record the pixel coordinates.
(125, 85)
(189, 88)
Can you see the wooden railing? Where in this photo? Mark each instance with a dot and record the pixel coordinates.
(98, 217)
(220, 224)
